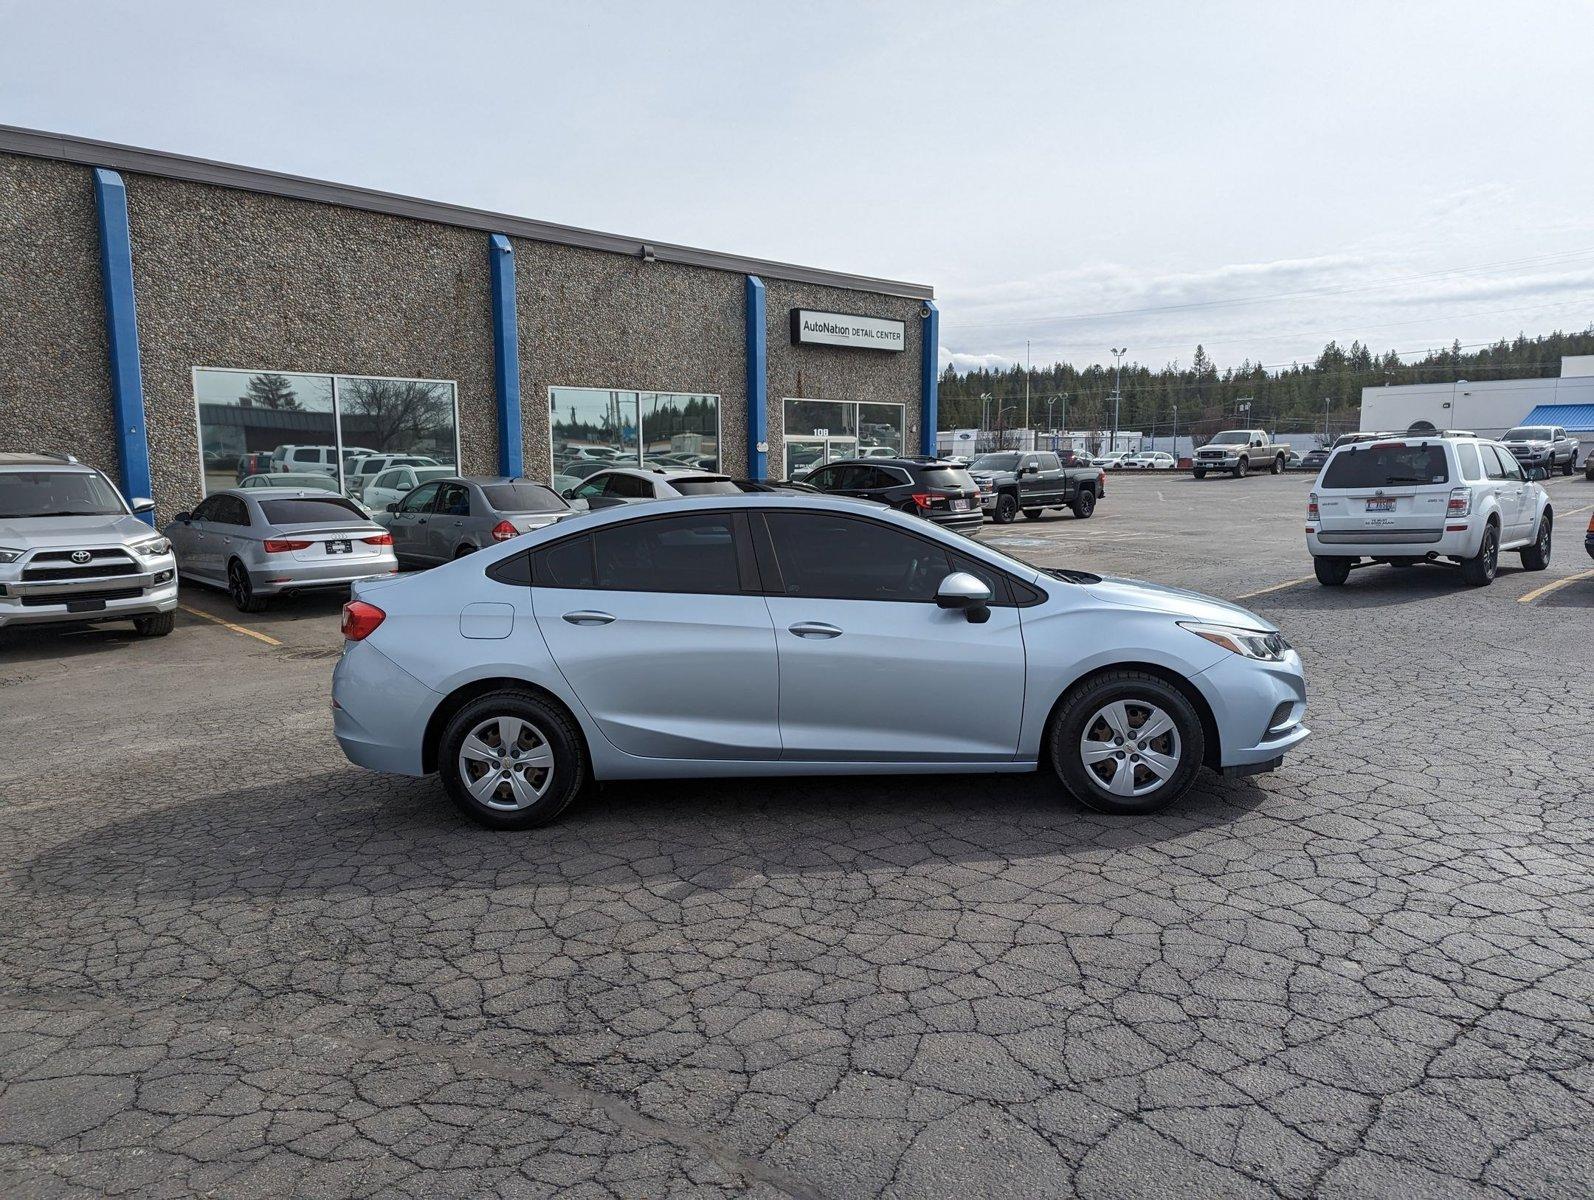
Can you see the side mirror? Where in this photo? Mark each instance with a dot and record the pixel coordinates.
(960, 590)
(141, 504)
(184, 517)
(392, 506)
(568, 493)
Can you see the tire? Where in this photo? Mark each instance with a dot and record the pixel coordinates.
(1006, 511)
(1199, 472)
(1084, 504)
(1480, 569)
(1032, 514)
(462, 551)
(1278, 465)
(242, 591)
(1331, 572)
(156, 624)
(1537, 556)
(1571, 465)
(1242, 468)
(542, 732)
(1115, 705)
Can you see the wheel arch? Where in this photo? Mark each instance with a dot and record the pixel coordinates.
(1213, 753)
(466, 692)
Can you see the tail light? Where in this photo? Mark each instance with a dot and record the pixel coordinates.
(1311, 507)
(380, 539)
(360, 620)
(503, 531)
(922, 499)
(283, 545)
(1460, 502)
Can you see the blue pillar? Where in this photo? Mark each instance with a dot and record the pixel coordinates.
(929, 376)
(757, 382)
(506, 356)
(121, 334)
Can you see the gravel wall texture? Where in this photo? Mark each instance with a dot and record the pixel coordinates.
(55, 387)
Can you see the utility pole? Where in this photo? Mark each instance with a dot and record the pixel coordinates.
(1325, 420)
(1027, 369)
(1175, 435)
(1117, 389)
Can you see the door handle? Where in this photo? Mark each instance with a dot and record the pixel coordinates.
(815, 629)
(589, 617)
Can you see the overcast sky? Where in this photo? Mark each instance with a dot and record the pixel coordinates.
(1257, 177)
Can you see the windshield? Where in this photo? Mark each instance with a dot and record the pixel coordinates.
(705, 487)
(1390, 464)
(522, 498)
(1236, 438)
(310, 510)
(1528, 433)
(57, 494)
(995, 462)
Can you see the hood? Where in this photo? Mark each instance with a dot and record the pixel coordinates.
(1177, 603)
(990, 476)
(50, 533)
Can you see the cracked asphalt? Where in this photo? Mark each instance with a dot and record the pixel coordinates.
(231, 964)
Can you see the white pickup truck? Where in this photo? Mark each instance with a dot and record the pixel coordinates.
(1239, 451)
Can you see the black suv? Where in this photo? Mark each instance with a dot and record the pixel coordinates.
(938, 491)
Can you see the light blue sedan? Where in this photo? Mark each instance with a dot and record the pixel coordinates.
(764, 634)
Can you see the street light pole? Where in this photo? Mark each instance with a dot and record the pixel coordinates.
(1325, 420)
(1175, 435)
(1118, 353)
(1027, 369)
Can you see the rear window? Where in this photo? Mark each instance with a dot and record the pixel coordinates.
(1387, 465)
(947, 477)
(705, 487)
(522, 498)
(309, 510)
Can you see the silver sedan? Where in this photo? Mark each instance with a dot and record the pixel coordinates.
(765, 634)
(264, 542)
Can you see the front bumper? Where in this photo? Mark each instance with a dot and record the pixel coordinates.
(1218, 464)
(1397, 543)
(107, 598)
(1258, 708)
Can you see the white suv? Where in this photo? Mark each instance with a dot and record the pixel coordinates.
(1424, 498)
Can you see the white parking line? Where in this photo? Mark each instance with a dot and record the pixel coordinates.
(1554, 587)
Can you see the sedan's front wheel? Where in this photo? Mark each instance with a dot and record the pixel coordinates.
(1127, 742)
(510, 760)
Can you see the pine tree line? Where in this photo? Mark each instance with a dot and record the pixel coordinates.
(1289, 398)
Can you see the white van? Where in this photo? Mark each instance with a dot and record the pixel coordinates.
(1425, 498)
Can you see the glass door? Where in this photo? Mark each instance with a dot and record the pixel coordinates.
(803, 454)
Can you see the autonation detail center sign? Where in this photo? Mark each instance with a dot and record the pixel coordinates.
(844, 329)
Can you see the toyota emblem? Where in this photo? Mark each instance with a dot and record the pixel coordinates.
(81, 556)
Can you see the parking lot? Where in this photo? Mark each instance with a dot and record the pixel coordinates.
(234, 964)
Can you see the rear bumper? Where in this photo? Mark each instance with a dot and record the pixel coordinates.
(105, 599)
(1395, 543)
(305, 577)
(968, 523)
(380, 711)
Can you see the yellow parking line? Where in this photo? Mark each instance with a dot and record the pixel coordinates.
(1277, 587)
(1554, 587)
(260, 637)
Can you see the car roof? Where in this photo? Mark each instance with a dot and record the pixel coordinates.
(899, 461)
(22, 461)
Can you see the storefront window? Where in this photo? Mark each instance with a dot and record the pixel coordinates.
(280, 422)
(592, 428)
(821, 431)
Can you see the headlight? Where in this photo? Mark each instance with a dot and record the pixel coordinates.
(1251, 643)
(151, 547)
(8, 555)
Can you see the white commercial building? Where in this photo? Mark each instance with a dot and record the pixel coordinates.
(1490, 407)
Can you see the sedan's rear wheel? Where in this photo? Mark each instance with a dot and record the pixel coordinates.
(1127, 742)
(242, 590)
(509, 760)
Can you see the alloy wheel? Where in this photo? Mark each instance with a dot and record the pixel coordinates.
(506, 763)
(1130, 748)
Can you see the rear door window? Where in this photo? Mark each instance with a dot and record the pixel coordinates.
(1388, 464)
(1467, 453)
(695, 553)
(953, 478)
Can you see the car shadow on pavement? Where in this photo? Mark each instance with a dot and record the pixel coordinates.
(1382, 586)
(353, 830)
(44, 643)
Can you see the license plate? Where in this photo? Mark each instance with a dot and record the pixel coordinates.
(85, 606)
(960, 506)
(1381, 504)
(340, 546)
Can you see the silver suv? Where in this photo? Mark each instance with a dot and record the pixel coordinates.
(72, 550)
